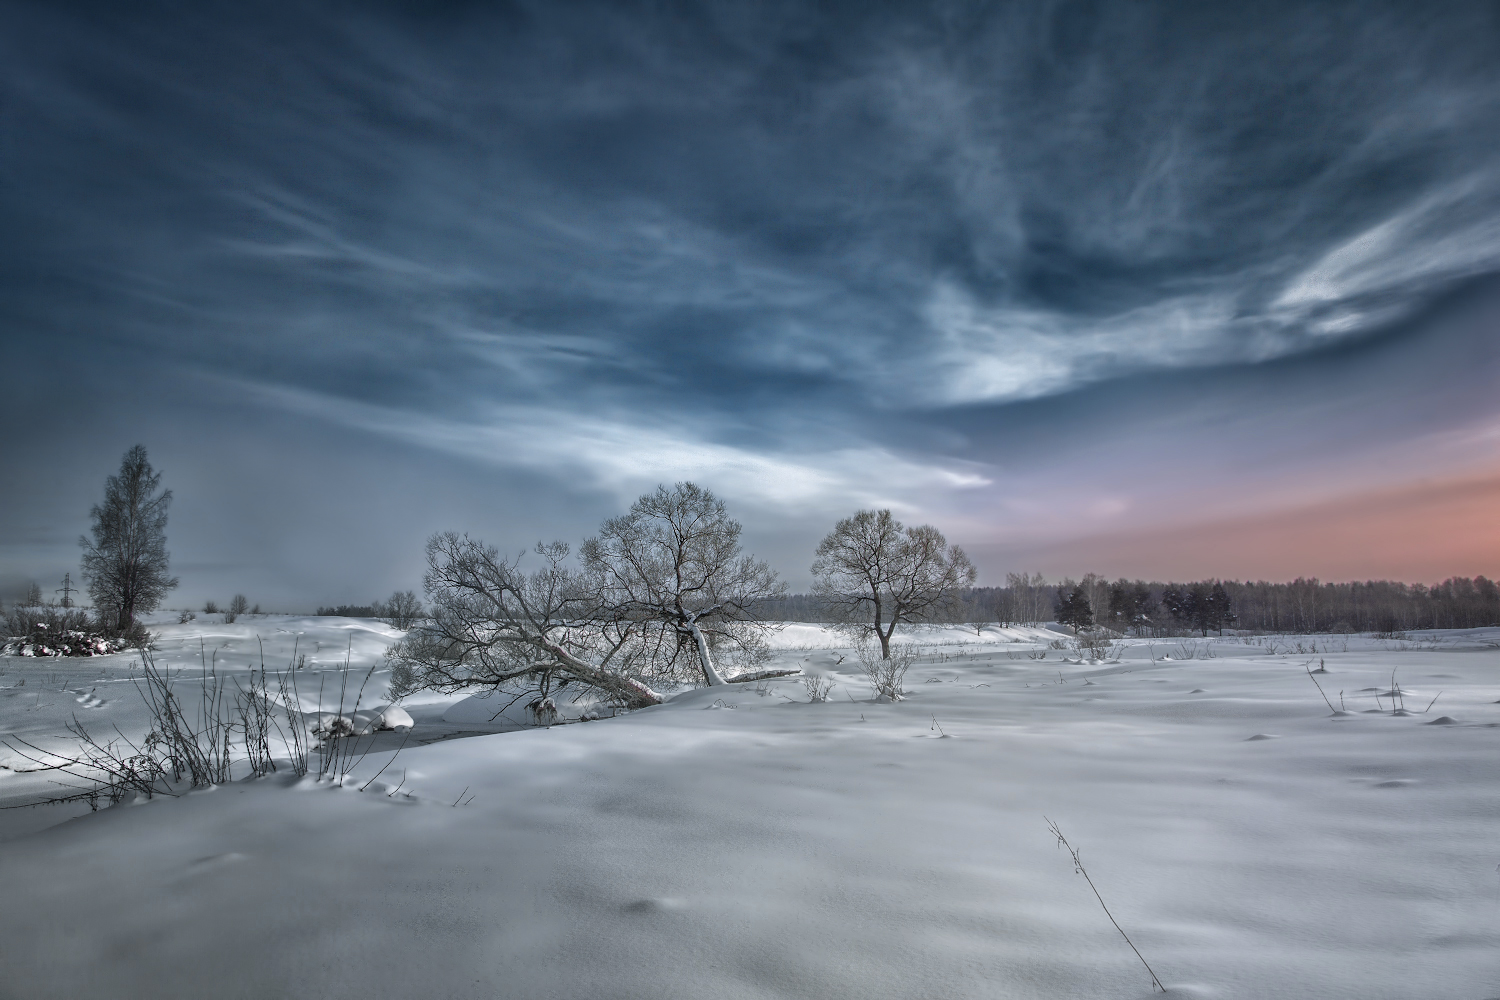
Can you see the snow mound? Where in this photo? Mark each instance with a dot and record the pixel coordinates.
(362, 723)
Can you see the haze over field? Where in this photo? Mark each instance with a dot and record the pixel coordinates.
(1137, 289)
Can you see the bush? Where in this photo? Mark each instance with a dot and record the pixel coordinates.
(1094, 647)
(818, 687)
(52, 631)
(886, 674)
(237, 606)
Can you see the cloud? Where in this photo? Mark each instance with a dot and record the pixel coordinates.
(971, 263)
(1443, 237)
(625, 455)
(1004, 354)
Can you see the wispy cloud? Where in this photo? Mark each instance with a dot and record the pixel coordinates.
(626, 455)
(1444, 236)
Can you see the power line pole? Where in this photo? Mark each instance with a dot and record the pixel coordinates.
(67, 590)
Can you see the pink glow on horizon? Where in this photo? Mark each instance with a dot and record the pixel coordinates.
(1424, 533)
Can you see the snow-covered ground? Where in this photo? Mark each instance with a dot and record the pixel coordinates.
(748, 843)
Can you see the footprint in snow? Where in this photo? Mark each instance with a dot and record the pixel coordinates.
(664, 905)
(207, 864)
(89, 699)
(1394, 783)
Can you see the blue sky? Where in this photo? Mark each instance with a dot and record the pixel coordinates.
(1141, 289)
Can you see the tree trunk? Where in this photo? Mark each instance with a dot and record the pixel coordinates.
(885, 637)
(705, 658)
(631, 692)
(762, 675)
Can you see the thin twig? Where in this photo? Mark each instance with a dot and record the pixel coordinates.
(1078, 867)
(1320, 688)
(389, 762)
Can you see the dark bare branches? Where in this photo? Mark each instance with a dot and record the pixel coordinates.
(654, 593)
(875, 574)
(673, 569)
(125, 563)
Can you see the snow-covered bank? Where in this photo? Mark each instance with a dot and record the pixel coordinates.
(753, 844)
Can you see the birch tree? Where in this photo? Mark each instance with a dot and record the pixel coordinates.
(125, 563)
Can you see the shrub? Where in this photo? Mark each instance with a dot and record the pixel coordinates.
(54, 631)
(886, 674)
(1094, 647)
(818, 686)
(237, 606)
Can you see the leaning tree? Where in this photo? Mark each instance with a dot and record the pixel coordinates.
(125, 563)
(651, 597)
(873, 574)
(673, 568)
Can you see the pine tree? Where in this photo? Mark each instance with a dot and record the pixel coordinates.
(1199, 611)
(1073, 609)
(1130, 604)
(125, 564)
(1217, 613)
(1177, 603)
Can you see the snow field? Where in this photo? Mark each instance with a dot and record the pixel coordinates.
(750, 844)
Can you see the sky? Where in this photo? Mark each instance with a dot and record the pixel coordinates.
(1150, 290)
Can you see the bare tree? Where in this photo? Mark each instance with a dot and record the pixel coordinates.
(673, 567)
(402, 611)
(1026, 599)
(238, 605)
(656, 590)
(1096, 590)
(494, 625)
(126, 562)
(874, 574)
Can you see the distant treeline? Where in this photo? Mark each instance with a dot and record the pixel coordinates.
(350, 611)
(1138, 605)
